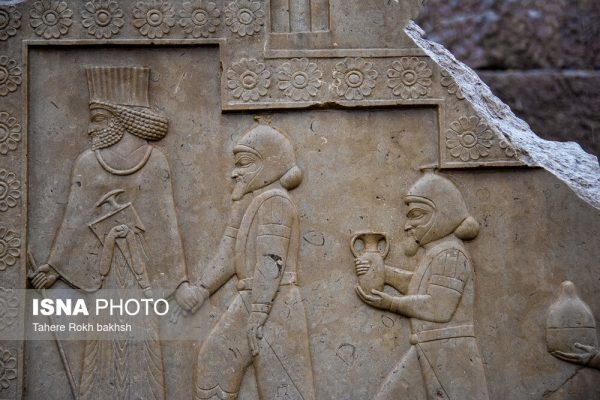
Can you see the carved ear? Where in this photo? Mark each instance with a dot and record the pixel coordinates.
(468, 229)
(292, 179)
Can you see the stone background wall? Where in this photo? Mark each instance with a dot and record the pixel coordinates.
(540, 57)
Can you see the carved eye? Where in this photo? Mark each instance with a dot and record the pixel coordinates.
(416, 213)
(244, 161)
(99, 118)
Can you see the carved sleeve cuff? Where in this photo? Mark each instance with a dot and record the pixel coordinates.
(447, 282)
(595, 361)
(231, 232)
(274, 230)
(396, 305)
(262, 308)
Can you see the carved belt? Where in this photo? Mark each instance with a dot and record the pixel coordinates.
(443, 333)
(289, 278)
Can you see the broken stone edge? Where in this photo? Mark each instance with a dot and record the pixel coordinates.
(565, 160)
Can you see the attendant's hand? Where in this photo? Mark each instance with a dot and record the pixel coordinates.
(583, 358)
(43, 277)
(376, 299)
(255, 330)
(362, 265)
(190, 297)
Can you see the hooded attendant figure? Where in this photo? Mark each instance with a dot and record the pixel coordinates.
(444, 360)
(120, 231)
(265, 325)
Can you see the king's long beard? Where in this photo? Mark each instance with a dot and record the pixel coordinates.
(107, 137)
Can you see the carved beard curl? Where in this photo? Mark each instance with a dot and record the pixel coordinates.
(410, 246)
(107, 137)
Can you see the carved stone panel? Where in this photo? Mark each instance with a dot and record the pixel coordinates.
(327, 205)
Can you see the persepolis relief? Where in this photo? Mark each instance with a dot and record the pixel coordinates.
(332, 207)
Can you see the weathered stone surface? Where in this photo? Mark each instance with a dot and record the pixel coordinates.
(332, 208)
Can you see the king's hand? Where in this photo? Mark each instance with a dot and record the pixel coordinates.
(43, 277)
(188, 298)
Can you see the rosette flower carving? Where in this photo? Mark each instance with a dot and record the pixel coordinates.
(244, 17)
(50, 19)
(10, 21)
(248, 79)
(509, 151)
(10, 245)
(355, 78)
(410, 78)
(9, 190)
(153, 18)
(10, 75)
(10, 133)
(300, 79)
(8, 368)
(469, 138)
(199, 18)
(450, 84)
(102, 18)
(9, 308)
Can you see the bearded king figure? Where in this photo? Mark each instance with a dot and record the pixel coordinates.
(443, 362)
(135, 245)
(265, 325)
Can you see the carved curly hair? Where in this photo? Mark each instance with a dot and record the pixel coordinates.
(141, 122)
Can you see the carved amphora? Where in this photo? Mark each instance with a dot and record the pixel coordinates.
(374, 247)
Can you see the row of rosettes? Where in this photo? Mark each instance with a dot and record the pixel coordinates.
(104, 19)
(352, 78)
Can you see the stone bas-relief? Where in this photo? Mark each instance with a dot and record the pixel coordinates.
(260, 246)
(258, 267)
(134, 247)
(437, 297)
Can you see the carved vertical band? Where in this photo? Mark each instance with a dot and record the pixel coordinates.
(300, 15)
(319, 15)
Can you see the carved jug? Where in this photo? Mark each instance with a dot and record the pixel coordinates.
(570, 321)
(374, 248)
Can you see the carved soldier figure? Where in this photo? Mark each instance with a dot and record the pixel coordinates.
(133, 245)
(265, 325)
(444, 360)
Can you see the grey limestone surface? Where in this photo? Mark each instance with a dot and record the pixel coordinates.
(336, 207)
